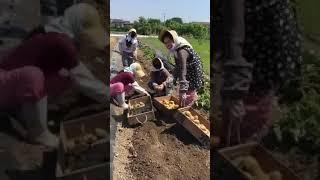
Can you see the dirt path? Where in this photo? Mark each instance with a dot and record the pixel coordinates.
(157, 151)
(123, 136)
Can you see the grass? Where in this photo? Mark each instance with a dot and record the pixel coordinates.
(308, 13)
(202, 48)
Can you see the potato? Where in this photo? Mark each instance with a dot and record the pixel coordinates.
(188, 113)
(196, 121)
(202, 127)
(137, 106)
(195, 117)
(165, 102)
(171, 102)
(251, 165)
(101, 133)
(207, 132)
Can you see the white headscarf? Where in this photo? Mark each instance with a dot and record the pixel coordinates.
(71, 22)
(155, 69)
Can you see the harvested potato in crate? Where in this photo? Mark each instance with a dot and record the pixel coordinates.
(166, 104)
(196, 124)
(195, 119)
(140, 110)
(239, 162)
(138, 107)
(84, 142)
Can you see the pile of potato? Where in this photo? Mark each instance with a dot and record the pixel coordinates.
(251, 168)
(137, 105)
(170, 104)
(83, 141)
(194, 118)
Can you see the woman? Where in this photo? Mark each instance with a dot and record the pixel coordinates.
(126, 81)
(128, 48)
(261, 48)
(46, 63)
(188, 69)
(161, 80)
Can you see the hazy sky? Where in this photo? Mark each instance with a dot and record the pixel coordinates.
(188, 10)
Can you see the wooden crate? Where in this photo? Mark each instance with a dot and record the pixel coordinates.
(96, 153)
(158, 104)
(225, 169)
(141, 115)
(192, 127)
(98, 172)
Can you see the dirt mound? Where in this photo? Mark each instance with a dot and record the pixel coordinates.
(168, 152)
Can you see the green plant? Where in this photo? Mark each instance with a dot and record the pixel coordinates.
(300, 124)
(204, 97)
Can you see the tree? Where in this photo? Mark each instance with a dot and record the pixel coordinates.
(176, 19)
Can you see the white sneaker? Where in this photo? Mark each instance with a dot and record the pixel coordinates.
(48, 139)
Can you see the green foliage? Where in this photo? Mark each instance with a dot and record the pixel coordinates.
(204, 97)
(176, 19)
(152, 26)
(301, 121)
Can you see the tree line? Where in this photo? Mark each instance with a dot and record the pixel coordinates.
(151, 26)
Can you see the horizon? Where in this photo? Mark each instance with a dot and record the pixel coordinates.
(157, 18)
(188, 11)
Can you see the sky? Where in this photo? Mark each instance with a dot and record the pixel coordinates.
(188, 10)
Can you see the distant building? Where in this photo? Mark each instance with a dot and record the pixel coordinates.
(119, 23)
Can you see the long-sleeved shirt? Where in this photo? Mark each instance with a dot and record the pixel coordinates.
(160, 76)
(127, 79)
(123, 46)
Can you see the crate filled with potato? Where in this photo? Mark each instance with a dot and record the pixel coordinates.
(196, 124)
(97, 172)
(167, 104)
(249, 161)
(140, 110)
(84, 143)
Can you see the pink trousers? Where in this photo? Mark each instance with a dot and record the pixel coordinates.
(118, 88)
(28, 84)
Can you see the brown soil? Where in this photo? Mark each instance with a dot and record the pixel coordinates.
(168, 152)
